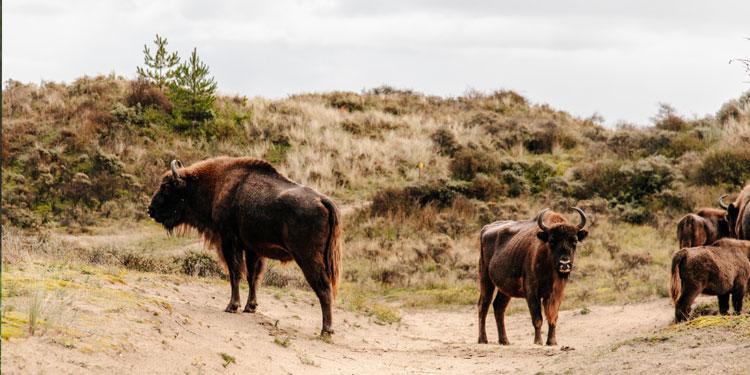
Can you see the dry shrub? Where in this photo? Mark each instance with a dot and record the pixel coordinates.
(446, 142)
(200, 264)
(542, 138)
(145, 94)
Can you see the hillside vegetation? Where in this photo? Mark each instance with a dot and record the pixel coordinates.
(417, 176)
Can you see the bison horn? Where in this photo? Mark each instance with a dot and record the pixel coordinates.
(583, 218)
(721, 202)
(540, 220)
(175, 164)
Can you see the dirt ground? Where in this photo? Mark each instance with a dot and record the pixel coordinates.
(151, 323)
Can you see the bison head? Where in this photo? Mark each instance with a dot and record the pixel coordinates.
(562, 239)
(732, 213)
(168, 203)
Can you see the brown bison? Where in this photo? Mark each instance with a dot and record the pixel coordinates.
(703, 227)
(247, 211)
(738, 215)
(527, 259)
(718, 270)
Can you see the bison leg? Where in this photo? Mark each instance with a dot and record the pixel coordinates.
(255, 266)
(551, 309)
(737, 295)
(724, 304)
(486, 290)
(498, 307)
(320, 283)
(682, 307)
(535, 308)
(233, 257)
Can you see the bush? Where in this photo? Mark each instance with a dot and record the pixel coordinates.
(630, 182)
(393, 200)
(145, 95)
(468, 162)
(543, 138)
(446, 142)
(724, 167)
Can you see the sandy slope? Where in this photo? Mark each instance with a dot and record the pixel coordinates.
(188, 333)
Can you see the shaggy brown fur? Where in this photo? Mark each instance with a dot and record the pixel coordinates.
(702, 228)
(248, 212)
(526, 259)
(738, 215)
(718, 270)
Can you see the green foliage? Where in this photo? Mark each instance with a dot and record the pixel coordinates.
(193, 94)
(724, 166)
(161, 67)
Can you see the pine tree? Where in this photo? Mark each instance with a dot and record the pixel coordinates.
(193, 92)
(160, 68)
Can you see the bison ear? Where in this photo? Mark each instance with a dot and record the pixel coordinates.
(582, 234)
(542, 236)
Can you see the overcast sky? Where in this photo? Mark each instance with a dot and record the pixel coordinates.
(617, 58)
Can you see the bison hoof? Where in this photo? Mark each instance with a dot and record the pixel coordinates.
(551, 342)
(232, 307)
(250, 308)
(326, 332)
(482, 340)
(504, 342)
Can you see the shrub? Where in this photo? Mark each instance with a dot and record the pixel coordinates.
(668, 119)
(468, 162)
(349, 101)
(538, 175)
(724, 167)
(542, 139)
(144, 94)
(446, 142)
(392, 200)
(198, 264)
(629, 182)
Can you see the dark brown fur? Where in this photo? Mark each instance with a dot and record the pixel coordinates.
(718, 270)
(702, 228)
(738, 215)
(248, 212)
(521, 260)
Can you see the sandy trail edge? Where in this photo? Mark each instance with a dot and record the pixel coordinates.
(282, 337)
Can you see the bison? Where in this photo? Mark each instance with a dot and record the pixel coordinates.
(718, 270)
(247, 211)
(703, 227)
(527, 259)
(738, 215)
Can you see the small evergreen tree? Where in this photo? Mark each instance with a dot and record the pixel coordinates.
(160, 69)
(193, 93)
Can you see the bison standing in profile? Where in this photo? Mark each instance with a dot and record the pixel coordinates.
(527, 259)
(703, 227)
(738, 215)
(247, 211)
(718, 270)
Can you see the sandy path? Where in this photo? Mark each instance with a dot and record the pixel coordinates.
(190, 335)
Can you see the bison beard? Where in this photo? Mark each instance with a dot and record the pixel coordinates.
(248, 212)
(527, 259)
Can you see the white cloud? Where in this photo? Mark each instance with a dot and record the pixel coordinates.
(616, 58)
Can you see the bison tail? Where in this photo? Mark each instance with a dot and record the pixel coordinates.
(676, 287)
(333, 245)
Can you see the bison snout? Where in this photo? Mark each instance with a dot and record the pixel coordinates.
(565, 264)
